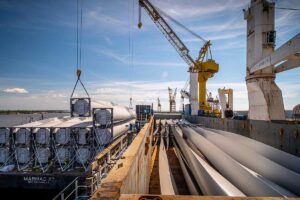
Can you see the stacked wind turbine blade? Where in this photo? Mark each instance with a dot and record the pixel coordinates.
(249, 158)
(285, 159)
(208, 179)
(254, 168)
(229, 168)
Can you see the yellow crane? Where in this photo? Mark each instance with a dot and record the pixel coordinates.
(204, 65)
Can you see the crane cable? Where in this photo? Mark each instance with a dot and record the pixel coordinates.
(283, 8)
(183, 27)
(180, 24)
(130, 42)
(79, 47)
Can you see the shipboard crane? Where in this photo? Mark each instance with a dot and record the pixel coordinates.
(158, 105)
(172, 99)
(204, 66)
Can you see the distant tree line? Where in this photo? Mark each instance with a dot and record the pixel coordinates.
(7, 112)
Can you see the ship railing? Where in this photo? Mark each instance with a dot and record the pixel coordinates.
(73, 191)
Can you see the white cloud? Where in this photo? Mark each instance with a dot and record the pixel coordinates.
(192, 8)
(234, 24)
(124, 59)
(230, 45)
(214, 37)
(97, 18)
(142, 92)
(16, 90)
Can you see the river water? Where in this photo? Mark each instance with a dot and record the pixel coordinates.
(8, 120)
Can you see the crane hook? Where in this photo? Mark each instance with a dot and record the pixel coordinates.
(140, 17)
(78, 72)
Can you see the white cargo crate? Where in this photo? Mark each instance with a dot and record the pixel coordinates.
(63, 155)
(22, 155)
(62, 135)
(103, 136)
(82, 135)
(103, 116)
(4, 136)
(42, 136)
(43, 155)
(83, 155)
(22, 136)
(4, 155)
(80, 107)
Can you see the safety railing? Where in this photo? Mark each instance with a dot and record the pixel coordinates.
(72, 191)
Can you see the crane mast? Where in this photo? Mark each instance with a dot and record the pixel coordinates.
(158, 105)
(204, 69)
(172, 99)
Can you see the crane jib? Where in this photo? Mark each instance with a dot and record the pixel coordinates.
(167, 31)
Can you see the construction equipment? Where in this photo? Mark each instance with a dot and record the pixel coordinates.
(204, 66)
(214, 105)
(172, 99)
(226, 102)
(79, 107)
(264, 62)
(130, 103)
(158, 105)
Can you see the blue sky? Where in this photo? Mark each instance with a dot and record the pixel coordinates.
(38, 50)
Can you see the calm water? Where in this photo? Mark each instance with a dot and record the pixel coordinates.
(19, 119)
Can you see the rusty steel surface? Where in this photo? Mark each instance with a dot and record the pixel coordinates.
(131, 174)
(154, 185)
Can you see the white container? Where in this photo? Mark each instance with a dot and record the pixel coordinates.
(103, 117)
(42, 155)
(62, 135)
(81, 107)
(83, 155)
(42, 136)
(103, 136)
(4, 136)
(22, 136)
(4, 155)
(22, 155)
(63, 155)
(82, 135)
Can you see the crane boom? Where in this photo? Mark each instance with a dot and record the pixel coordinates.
(168, 32)
(204, 67)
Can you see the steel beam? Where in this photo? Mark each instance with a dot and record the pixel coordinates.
(291, 47)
